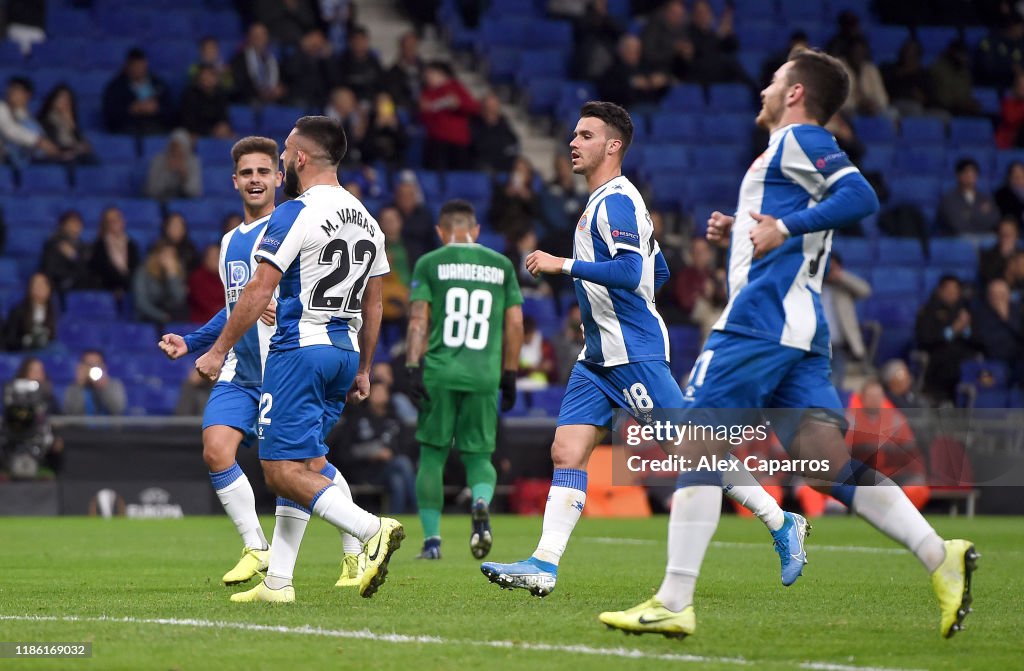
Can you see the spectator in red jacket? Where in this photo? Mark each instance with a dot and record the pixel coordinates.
(1008, 134)
(445, 110)
(205, 290)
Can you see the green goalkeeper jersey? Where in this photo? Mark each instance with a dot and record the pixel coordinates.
(468, 288)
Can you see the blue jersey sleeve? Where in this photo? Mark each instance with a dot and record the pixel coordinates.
(208, 333)
(848, 201)
(661, 273)
(281, 243)
(624, 271)
(620, 217)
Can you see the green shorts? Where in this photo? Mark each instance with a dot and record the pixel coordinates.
(469, 418)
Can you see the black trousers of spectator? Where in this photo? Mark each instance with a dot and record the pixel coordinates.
(438, 155)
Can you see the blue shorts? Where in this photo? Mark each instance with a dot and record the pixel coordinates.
(304, 393)
(740, 371)
(235, 406)
(593, 392)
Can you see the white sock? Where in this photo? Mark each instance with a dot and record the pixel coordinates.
(563, 510)
(349, 543)
(744, 489)
(692, 523)
(333, 507)
(888, 509)
(288, 531)
(240, 504)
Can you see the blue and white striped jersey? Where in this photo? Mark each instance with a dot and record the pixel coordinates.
(778, 297)
(326, 245)
(244, 363)
(619, 325)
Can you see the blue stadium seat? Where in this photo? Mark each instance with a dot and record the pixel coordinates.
(224, 25)
(105, 180)
(546, 34)
(544, 311)
(509, 32)
(430, 184)
(36, 208)
(684, 98)
(83, 331)
(921, 191)
(44, 179)
(926, 159)
(174, 56)
(512, 8)
(984, 154)
(886, 41)
(760, 34)
(684, 346)
(665, 157)
(932, 275)
(213, 150)
(675, 127)
(904, 252)
(140, 211)
(502, 63)
(114, 148)
(952, 252)
(894, 343)
(546, 402)
(968, 130)
(9, 272)
(729, 98)
(242, 119)
(874, 129)
(134, 336)
(799, 10)
(6, 179)
(889, 281)
(751, 60)
(878, 158)
(1004, 158)
(468, 185)
(217, 180)
(276, 121)
(727, 158)
(988, 98)
(669, 190)
(536, 63)
(755, 9)
(198, 213)
(856, 252)
(891, 311)
(987, 374)
(727, 128)
(934, 40)
(27, 238)
(544, 94)
(9, 364)
(920, 130)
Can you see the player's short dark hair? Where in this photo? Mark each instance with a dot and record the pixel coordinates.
(327, 133)
(826, 84)
(254, 144)
(454, 211)
(614, 116)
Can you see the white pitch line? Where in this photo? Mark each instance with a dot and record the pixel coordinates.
(811, 547)
(366, 634)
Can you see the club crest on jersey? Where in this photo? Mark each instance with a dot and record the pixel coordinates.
(583, 222)
(238, 274)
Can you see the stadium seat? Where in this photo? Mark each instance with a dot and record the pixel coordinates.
(540, 63)
(140, 211)
(44, 179)
(684, 98)
(105, 180)
(985, 374)
(507, 32)
(921, 130)
(1004, 158)
(545, 34)
(174, 56)
(543, 310)
(927, 159)
(791, 11)
(988, 98)
(729, 98)
(468, 185)
(726, 128)
(886, 41)
(891, 311)
(878, 157)
(932, 275)
(934, 40)
(502, 64)
(874, 129)
(952, 252)
(903, 252)
(674, 127)
(921, 191)
(543, 94)
(546, 402)
(889, 281)
(729, 159)
(755, 9)
(213, 150)
(114, 148)
(856, 252)
(969, 130)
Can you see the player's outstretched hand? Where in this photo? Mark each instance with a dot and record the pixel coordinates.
(719, 229)
(541, 262)
(508, 390)
(360, 388)
(417, 392)
(209, 365)
(269, 316)
(766, 236)
(173, 345)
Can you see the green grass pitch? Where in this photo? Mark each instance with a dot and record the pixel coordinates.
(147, 594)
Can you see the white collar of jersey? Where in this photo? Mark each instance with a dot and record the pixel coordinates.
(602, 188)
(318, 186)
(780, 131)
(245, 228)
